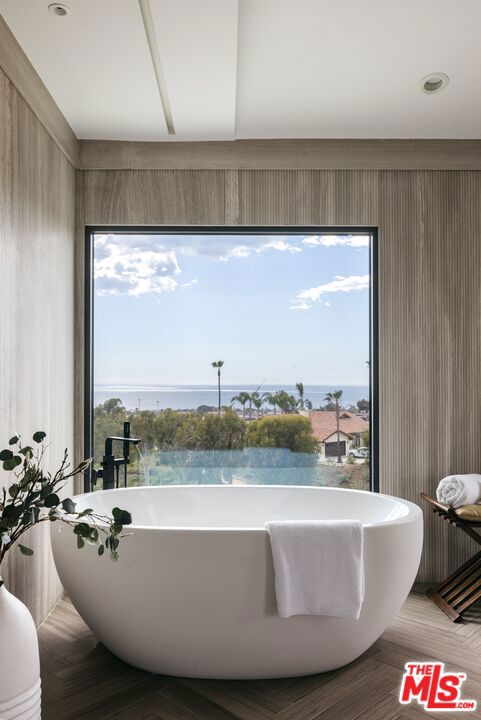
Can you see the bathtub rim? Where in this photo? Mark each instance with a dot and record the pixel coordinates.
(413, 511)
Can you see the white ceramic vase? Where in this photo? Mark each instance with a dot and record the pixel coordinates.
(19, 661)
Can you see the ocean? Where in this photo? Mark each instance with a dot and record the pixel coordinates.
(189, 397)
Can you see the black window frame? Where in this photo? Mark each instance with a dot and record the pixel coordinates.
(92, 230)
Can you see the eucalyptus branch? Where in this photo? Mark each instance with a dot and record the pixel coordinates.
(34, 498)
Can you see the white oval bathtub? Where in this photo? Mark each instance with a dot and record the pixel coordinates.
(193, 591)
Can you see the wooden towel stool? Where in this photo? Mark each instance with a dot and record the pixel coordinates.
(463, 588)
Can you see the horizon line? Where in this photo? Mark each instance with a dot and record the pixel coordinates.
(166, 386)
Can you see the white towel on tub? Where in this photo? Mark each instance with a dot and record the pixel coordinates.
(318, 567)
(457, 490)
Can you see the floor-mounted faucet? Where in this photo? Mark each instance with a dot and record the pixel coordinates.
(110, 470)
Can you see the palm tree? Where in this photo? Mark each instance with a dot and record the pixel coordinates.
(334, 397)
(252, 397)
(271, 399)
(300, 390)
(218, 365)
(285, 401)
(242, 398)
(258, 402)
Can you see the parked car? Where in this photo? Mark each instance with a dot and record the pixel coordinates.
(360, 452)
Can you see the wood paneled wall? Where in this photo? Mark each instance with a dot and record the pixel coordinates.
(430, 294)
(37, 238)
(27, 82)
(289, 154)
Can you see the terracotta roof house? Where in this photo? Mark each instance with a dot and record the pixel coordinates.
(351, 427)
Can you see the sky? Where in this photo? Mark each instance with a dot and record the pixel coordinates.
(277, 309)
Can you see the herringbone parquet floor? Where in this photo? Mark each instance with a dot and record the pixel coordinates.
(83, 681)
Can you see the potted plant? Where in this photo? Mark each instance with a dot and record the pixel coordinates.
(32, 497)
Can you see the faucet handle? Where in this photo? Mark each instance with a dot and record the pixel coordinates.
(96, 474)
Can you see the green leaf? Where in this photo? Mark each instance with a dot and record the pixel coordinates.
(82, 529)
(121, 516)
(46, 490)
(39, 436)
(27, 452)
(80, 542)
(33, 496)
(25, 550)
(101, 550)
(68, 505)
(13, 440)
(6, 455)
(114, 556)
(30, 517)
(13, 490)
(85, 512)
(51, 500)
(12, 463)
(13, 512)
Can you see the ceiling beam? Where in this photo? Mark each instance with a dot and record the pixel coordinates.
(21, 73)
(282, 155)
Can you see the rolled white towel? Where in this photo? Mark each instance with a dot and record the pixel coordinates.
(457, 490)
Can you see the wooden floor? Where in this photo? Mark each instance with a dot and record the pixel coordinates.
(83, 681)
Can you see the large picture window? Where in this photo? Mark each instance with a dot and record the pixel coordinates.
(236, 357)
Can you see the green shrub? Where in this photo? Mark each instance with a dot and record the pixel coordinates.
(222, 432)
(293, 432)
(172, 430)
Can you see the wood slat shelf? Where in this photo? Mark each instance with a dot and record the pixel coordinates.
(462, 589)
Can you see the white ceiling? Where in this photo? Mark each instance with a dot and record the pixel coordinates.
(258, 68)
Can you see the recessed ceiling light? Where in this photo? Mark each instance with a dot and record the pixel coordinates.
(434, 83)
(59, 9)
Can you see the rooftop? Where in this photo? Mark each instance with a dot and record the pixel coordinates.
(324, 423)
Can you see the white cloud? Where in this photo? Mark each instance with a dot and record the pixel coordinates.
(189, 284)
(123, 266)
(148, 264)
(339, 284)
(337, 240)
(223, 247)
(259, 245)
(296, 305)
(280, 245)
(239, 251)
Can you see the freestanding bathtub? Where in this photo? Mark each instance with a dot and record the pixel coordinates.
(193, 591)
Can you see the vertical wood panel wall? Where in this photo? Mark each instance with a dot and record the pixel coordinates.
(37, 239)
(430, 296)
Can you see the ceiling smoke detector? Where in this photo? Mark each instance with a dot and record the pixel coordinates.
(59, 9)
(434, 83)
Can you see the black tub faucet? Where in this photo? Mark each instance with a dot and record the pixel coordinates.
(110, 470)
